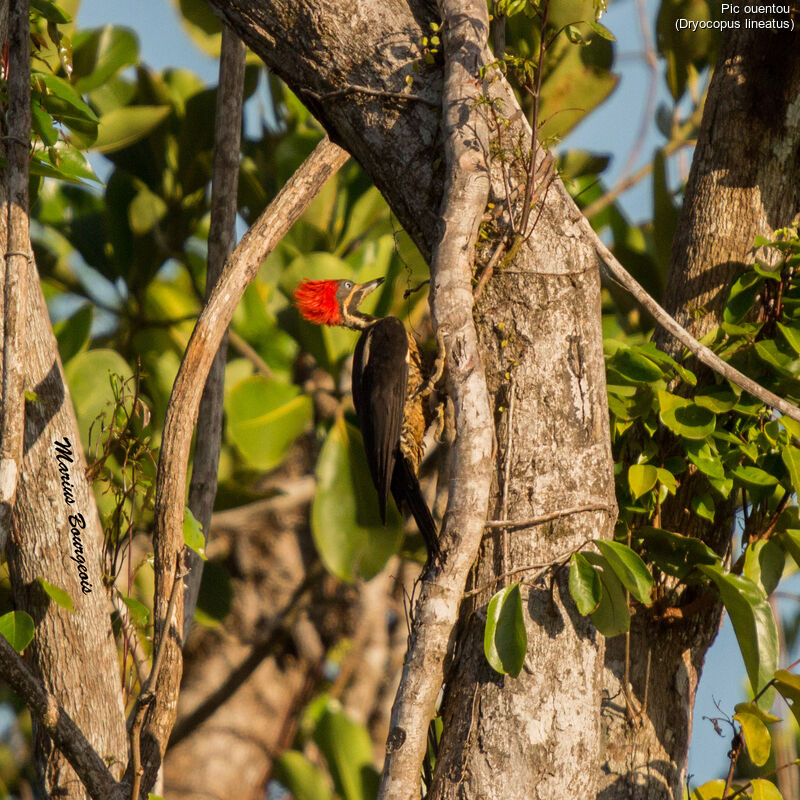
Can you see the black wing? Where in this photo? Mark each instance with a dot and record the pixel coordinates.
(380, 380)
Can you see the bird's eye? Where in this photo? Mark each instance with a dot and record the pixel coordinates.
(348, 284)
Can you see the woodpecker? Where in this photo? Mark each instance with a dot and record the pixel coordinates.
(389, 390)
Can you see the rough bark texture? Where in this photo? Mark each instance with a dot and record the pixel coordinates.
(548, 302)
(74, 653)
(221, 239)
(744, 181)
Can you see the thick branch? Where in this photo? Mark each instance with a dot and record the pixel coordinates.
(69, 738)
(465, 27)
(221, 238)
(12, 412)
(182, 410)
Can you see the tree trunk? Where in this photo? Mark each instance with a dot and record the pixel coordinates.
(55, 526)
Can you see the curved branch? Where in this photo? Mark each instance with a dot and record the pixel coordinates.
(465, 28)
(182, 410)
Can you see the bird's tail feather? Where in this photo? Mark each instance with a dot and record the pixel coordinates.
(405, 487)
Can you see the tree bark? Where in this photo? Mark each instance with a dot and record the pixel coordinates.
(74, 654)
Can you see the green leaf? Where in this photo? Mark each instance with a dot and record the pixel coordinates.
(505, 640)
(304, 780)
(17, 628)
(42, 124)
(742, 297)
(756, 737)
(753, 477)
(711, 790)
(630, 569)
(704, 458)
(72, 334)
(667, 480)
(584, 584)
(763, 564)
(89, 384)
(641, 479)
(50, 11)
(347, 748)
(791, 458)
(265, 416)
(612, 616)
(674, 553)
(753, 624)
(634, 367)
(791, 335)
(684, 418)
(790, 541)
(124, 126)
(193, 533)
(601, 30)
(64, 162)
(61, 89)
(140, 613)
(762, 789)
(345, 520)
(752, 708)
(99, 54)
(59, 596)
(145, 211)
(717, 399)
(788, 685)
(703, 506)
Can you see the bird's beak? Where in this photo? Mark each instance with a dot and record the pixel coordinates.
(370, 286)
(366, 288)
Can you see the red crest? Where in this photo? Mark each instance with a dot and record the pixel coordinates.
(316, 301)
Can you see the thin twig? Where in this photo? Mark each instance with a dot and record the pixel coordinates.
(240, 269)
(700, 351)
(372, 93)
(564, 512)
(542, 569)
(683, 139)
(507, 469)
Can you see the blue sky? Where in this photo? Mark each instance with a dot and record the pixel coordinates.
(612, 129)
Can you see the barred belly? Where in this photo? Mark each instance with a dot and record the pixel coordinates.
(414, 422)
